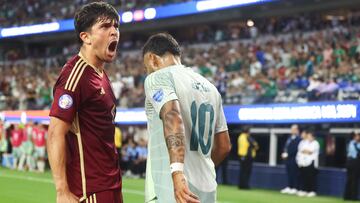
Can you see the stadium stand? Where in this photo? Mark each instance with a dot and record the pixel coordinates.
(282, 59)
(47, 11)
(294, 60)
(30, 11)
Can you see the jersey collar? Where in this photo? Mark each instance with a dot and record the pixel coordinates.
(97, 70)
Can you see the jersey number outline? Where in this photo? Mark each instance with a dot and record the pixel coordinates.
(197, 136)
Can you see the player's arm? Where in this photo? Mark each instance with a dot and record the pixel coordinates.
(221, 148)
(175, 138)
(57, 158)
(222, 143)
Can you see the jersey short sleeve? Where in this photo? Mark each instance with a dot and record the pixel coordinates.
(66, 101)
(221, 124)
(159, 89)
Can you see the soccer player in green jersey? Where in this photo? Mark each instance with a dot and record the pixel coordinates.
(188, 134)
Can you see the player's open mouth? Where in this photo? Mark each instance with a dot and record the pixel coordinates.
(112, 46)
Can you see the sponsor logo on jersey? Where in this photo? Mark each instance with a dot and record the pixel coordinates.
(65, 101)
(159, 95)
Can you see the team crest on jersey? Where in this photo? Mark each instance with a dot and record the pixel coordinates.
(159, 95)
(65, 101)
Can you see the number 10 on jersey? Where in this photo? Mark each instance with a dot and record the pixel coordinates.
(198, 119)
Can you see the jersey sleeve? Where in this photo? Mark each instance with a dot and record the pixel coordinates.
(160, 89)
(66, 102)
(220, 125)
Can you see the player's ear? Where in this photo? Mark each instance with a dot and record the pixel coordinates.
(84, 36)
(157, 61)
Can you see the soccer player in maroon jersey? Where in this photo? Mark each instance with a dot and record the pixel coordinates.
(39, 140)
(80, 143)
(17, 138)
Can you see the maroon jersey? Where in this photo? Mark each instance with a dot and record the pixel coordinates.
(84, 98)
(17, 137)
(38, 137)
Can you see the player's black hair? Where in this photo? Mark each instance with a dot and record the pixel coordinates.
(92, 13)
(161, 43)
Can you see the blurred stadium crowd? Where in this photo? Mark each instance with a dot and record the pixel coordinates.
(34, 11)
(297, 59)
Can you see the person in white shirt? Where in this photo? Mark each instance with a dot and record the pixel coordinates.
(307, 159)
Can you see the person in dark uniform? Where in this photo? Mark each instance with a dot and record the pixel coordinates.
(247, 147)
(352, 168)
(289, 155)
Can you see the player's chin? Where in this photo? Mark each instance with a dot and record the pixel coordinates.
(109, 56)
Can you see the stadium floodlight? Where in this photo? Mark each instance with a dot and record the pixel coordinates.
(127, 17)
(138, 15)
(150, 13)
(216, 4)
(30, 29)
(250, 23)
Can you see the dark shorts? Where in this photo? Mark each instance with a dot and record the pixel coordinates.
(109, 196)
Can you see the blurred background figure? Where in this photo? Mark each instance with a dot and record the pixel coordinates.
(27, 148)
(308, 161)
(39, 134)
(138, 165)
(289, 155)
(247, 147)
(6, 147)
(128, 156)
(3, 143)
(118, 141)
(352, 168)
(17, 137)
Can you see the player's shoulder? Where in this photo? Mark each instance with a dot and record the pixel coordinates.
(70, 64)
(158, 77)
(71, 73)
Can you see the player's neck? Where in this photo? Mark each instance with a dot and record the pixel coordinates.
(171, 60)
(91, 59)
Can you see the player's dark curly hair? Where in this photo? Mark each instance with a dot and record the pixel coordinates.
(161, 43)
(92, 13)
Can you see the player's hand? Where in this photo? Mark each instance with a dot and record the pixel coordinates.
(66, 197)
(181, 189)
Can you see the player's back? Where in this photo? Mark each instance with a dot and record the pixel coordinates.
(202, 114)
(199, 103)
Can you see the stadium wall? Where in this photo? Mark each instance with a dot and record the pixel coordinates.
(330, 181)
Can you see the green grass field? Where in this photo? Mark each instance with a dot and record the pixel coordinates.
(26, 187)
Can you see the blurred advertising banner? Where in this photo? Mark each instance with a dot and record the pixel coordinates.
(316, 112)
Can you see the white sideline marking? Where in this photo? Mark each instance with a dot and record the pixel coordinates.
(46, 180)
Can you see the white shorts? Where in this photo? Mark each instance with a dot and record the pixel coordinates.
(17, 152)
(39, 152)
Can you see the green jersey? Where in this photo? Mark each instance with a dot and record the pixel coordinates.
(203, 117)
